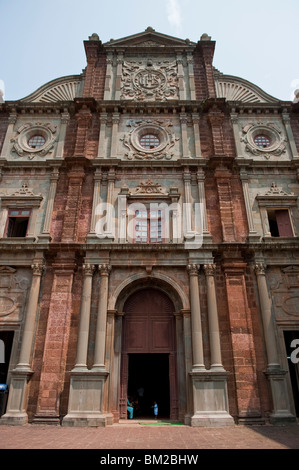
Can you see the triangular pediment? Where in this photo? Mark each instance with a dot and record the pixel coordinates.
(149, 38)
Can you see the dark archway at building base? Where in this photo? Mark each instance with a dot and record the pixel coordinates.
(151, 373)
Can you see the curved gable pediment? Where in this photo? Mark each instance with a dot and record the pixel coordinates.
(237, 89)
(61, 89)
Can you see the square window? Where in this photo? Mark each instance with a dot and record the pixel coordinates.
(17, 223)
(280, 223)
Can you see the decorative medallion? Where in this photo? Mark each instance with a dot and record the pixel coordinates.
(271, 135)
(149, 82)
(148, 131)
(29, 134)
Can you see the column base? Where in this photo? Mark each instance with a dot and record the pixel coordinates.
(210, 399)
(208, 418)
(17, 397)
(86, 400)
(14, 419)
(282, 418)
(281, 405)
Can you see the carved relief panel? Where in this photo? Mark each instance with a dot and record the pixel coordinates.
(34, 138)
(284, 285)
(264, 138)
(149, 80)
(149, 139)
(13, 291)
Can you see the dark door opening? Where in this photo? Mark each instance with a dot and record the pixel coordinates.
(6, 339)
(150, 372)
(289, 336)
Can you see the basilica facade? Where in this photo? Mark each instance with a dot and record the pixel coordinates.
(149, 244)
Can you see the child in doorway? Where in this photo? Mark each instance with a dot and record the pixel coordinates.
(155, 406)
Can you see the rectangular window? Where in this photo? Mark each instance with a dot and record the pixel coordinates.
(148, 226)
(280, 223)
(17, 222)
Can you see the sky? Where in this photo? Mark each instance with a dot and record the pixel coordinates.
(43, 40)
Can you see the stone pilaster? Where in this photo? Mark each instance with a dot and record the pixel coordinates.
(45, 235)
(202, 204)
(114, 136)
(95, 205)
(9, 134)
(16, 406)
(109, 76)
(191, 76)
(276, 375)
(110, 232)
(253, 236)
(65, 118)
(102, 137)
(291, 140)
(187, 212)
(184, 134)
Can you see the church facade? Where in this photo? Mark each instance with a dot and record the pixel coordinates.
(149, 244)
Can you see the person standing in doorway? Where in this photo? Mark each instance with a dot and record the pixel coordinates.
(155, 406)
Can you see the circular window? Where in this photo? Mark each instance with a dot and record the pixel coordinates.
(149, 141)
(36, 141)
(262, 141)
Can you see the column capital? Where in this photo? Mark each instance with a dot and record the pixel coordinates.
(88, 269)
(104, 269)
(260, 268)
(193, 269)
(209, 269)
(12, 119)
(65, 117)
(37, 269)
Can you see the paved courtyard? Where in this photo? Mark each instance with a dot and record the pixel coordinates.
(149, 435)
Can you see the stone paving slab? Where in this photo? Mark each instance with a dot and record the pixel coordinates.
(146, 436)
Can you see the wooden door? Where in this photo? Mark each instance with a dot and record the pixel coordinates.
(149, 328)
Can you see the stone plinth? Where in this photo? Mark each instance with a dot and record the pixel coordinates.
(86, 400)
(210, 399)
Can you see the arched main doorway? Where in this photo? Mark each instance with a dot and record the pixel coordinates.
(148, 354)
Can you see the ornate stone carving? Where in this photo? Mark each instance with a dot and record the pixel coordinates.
(260, 269)
(88, 269)
(277, 139)
(193, 269)
(210, 269)
(24, 191)
(104, 269)
(20, 143)
(13, 287)
(37, 269)
(276, 191)
(148, 81)
(149, 188)
(161, 129)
